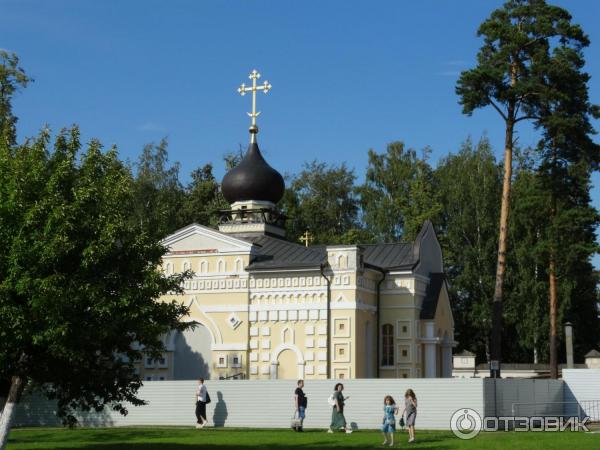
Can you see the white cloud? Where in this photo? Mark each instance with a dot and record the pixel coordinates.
(150, 126)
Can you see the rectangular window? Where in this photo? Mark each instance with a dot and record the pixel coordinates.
(387, 345)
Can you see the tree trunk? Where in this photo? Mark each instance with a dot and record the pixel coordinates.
(553, 308)
(10, 408)
(496, 340)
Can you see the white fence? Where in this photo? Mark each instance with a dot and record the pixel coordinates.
(582, 392)
(269, 403)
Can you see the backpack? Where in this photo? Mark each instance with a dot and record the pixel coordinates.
(207, 398)
(331, 400)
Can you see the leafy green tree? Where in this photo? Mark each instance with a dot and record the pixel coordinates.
(526, 319)
(322, 199)
(567, 157)
(202, 198)
(398, 194)
(469, 184)
(12, 77)
(521, 43)
(78, 278)
(535, 233)
(159, 193)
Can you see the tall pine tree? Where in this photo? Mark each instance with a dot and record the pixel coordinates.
(521, 40)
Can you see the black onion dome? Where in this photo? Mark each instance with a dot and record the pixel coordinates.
(253, 179)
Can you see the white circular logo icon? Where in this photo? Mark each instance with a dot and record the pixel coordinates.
(465, 423)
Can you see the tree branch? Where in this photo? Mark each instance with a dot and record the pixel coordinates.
(497, 108)
(526, 118)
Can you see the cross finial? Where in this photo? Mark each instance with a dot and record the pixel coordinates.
(265, 87)
(307, 238)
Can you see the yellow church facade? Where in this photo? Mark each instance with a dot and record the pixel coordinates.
(267, 308)
(332, 312)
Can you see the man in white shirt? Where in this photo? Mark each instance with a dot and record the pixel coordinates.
(201, 400)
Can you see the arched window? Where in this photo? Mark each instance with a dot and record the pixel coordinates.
(203, 266)
(387, 345)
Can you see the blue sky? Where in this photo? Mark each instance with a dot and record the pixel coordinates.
(347, 75)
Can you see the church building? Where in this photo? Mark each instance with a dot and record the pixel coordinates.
(268, 308)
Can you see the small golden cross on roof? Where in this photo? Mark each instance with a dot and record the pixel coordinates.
(265, 87)
(307, 238)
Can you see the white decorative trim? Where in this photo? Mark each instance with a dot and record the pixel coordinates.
(399, 324)
(190, 230)
(224, 364)
(347, 332)
(343, 369)
(233, 321)
(353, 305)
(218, 337)
(239, 363)
(343, 358)
(407, 359)
(292, 335)
(230, 347)
(282, 347)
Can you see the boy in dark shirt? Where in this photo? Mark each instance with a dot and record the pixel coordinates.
(300, 402)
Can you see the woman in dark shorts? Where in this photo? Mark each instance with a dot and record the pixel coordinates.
(410, 407)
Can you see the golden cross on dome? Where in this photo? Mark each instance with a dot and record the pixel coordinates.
(265, 87)
(307, 238)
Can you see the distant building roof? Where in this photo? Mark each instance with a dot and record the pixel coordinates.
(593, 354)
(464, 353)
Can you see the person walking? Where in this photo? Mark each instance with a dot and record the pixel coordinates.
(389, 421)
(202, 399)
(301, 403)
(338, 421)
(410, 407)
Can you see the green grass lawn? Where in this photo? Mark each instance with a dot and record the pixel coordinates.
(172, 438)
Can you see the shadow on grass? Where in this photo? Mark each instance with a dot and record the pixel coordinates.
(213, 439)
(274, 446)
